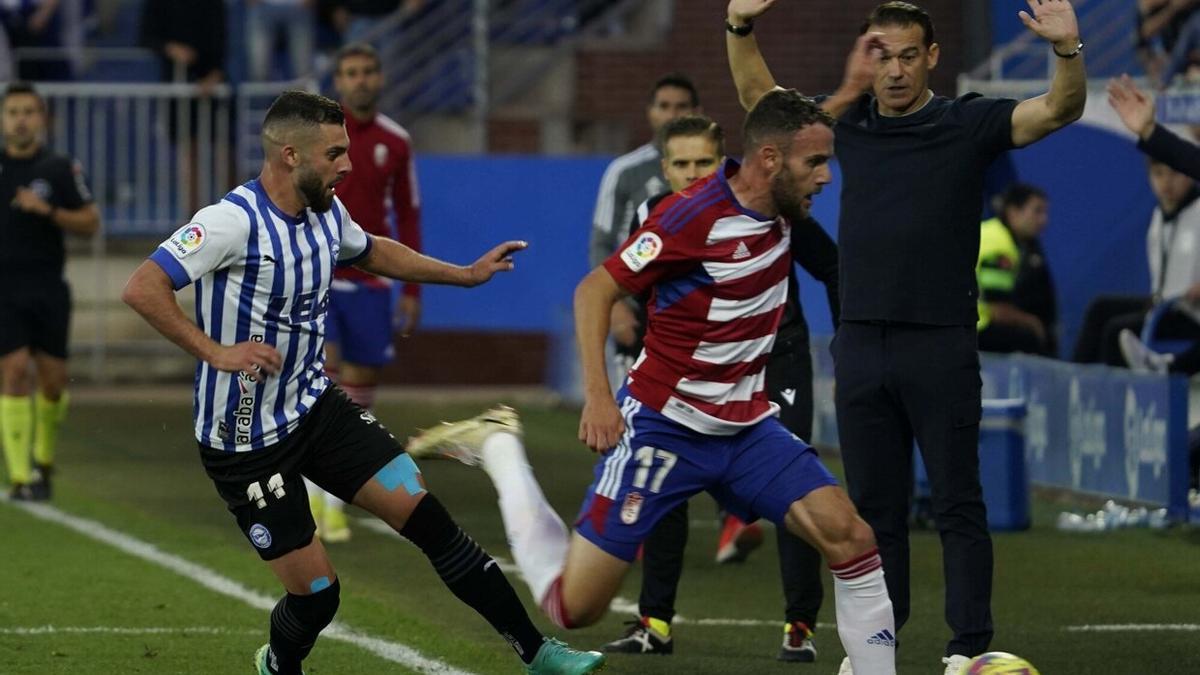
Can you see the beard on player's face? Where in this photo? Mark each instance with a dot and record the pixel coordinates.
(789, 199)
(317, 193)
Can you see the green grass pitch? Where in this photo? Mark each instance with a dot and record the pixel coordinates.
(71, 605)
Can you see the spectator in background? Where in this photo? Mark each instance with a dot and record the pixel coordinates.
(1173, 248)
(268, 20)
(189, 39)
(1159, 25)
(35, 23)
(355, 18)
(1136, 110)
(1017, 308)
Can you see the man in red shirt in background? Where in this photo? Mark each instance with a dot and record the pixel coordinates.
(381, 193)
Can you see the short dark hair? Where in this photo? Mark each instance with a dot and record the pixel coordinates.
(692, 125)
(778, 115)
(19, 88)
(900, 14)
(1018, 195)
(678, 81)
(356, 49)
(298, 109)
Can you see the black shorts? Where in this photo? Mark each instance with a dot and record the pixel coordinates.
(35, 314)
(339, 446)
(790, 383)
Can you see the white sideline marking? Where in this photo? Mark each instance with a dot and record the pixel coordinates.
(626, 606)
(1123, 627)
(385, 649)
(376, 525)
(117, 630)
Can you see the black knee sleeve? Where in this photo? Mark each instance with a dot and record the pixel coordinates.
(452, 552)
(296, 622)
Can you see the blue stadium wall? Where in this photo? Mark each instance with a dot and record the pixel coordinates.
(1100, 207)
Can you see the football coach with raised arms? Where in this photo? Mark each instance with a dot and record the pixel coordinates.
(906, 355)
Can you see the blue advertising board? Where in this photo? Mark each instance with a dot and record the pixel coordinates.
(1090, 429)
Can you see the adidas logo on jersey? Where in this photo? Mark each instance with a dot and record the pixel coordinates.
(742, 252)
(883, 638)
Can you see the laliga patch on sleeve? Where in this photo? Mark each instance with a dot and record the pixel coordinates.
(642, 251)
(189, 239)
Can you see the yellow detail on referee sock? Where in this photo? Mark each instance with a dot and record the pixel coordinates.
(659, 626)
(48, 417)
(16, 422)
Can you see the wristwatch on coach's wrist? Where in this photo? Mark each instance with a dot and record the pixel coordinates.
(740, 31)
(1068, 55)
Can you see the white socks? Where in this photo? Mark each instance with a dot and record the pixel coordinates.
(865, 621)
(536, 535)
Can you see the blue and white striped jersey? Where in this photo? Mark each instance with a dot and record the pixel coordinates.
(260, 275)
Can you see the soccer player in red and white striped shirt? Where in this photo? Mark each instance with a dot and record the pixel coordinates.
(694, 414)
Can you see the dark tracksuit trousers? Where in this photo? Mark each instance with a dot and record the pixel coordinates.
(790, 371)
(897, 383)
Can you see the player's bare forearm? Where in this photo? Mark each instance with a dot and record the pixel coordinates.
(84, 221)
(150, 294)
(594, 300)
(390, 258)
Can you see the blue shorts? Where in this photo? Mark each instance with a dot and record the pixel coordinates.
(360, 324)
(757, 473)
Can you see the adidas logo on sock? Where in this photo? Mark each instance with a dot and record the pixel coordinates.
(742, 251)
(883, 638)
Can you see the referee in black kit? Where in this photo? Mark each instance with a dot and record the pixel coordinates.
(907, 363)
(42, 195)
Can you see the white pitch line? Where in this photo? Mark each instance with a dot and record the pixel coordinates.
(1136, 627)
(125, 630)
(380, 527)
(391, 651)
(622, 605)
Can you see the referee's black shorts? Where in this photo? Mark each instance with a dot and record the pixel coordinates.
(35, 313)
(339, 446)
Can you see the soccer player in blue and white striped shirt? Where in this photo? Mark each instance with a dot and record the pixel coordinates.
(267, 416)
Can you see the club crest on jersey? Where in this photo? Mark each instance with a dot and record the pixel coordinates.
(641, 252)
(631, 508)
(187, 240)
(381, 155)
(260, 536)
(41, 188)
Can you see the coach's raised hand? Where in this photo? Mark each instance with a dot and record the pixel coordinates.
(498, 259)
(1134, 106)
(255, 359)
(742, 12)
(1054, 21)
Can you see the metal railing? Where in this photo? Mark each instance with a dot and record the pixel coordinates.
(153, 153)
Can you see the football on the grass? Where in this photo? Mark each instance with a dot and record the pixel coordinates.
(998, 663)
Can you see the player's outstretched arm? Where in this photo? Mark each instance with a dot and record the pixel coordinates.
(394, 260)
(750, 72)
(600, 425)
(1033, 119)
(150, 293)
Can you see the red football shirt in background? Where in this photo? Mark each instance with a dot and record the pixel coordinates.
(383, 178)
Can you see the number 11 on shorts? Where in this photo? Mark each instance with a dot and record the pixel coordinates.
(645, 457)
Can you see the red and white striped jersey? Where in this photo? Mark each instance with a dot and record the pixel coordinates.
(381, 183)
(718, 276)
